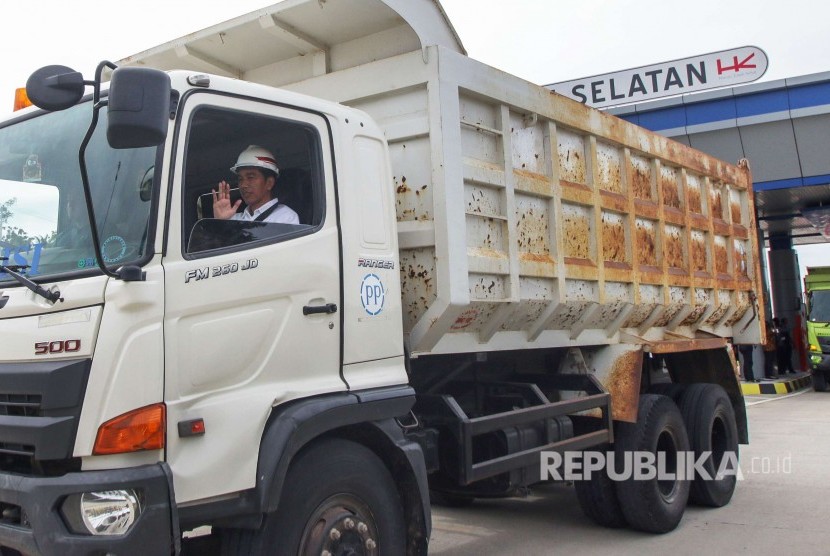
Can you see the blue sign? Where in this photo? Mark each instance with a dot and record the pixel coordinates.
(372, 294)
(22, 255)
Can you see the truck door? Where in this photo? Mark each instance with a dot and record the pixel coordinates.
(252, 309)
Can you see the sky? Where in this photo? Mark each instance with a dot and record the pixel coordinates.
(543, 41)
(35, 208)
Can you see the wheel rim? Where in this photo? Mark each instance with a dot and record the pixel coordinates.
(342, 525)
(666, 445)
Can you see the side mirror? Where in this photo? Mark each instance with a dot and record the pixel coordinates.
(55, 87)
(138, 108)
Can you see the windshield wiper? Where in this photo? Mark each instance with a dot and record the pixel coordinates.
(23, 281)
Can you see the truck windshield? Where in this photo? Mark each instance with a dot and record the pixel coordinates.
(44, 227)
(820, 306)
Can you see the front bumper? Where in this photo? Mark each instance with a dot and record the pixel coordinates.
(38, 528)
(823, 365)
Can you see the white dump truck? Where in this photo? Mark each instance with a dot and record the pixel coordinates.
(480, 274)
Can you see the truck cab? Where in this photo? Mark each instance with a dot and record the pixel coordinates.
(177, 374)
(817, 289)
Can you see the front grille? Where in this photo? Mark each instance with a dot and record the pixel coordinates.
(17, 449)
(20, 405)
(824, 343)
(40, 405)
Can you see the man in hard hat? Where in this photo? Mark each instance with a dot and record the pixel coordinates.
(258, 172)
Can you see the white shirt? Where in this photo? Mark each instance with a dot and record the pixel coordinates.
(281, 215)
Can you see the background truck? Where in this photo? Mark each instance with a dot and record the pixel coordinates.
(817, 291)
(484, 273)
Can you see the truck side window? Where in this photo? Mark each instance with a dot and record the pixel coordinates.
(219, 140)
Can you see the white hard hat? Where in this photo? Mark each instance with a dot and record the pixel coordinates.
(256, 157)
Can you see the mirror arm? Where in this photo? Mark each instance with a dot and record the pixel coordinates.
(96, 107)
(96, 94)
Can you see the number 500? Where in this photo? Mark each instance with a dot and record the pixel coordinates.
(57, 346)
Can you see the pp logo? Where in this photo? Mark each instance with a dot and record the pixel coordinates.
(372, 294)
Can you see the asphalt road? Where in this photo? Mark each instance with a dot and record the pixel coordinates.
(781, 507)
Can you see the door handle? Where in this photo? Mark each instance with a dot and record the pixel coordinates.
(327, 309)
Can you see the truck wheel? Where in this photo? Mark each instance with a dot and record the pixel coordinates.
(710, 423)
(669, 389)
(654, 505)
(819, 381)
(598, 498)
(338, 498)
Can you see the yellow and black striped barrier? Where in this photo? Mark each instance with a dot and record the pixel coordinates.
(777, 386)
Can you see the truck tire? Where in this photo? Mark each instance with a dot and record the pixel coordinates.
(669, 389)
(598, 498)
(819, 381)
(710, 424)
(652, 505)
(338, 497)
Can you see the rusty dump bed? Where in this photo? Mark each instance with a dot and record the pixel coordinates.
(528, 220)
(525, 219)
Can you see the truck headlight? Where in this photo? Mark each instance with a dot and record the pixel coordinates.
(106, 512)
(815, 359)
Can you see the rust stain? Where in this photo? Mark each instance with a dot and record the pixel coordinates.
(571, 164)
(610, 173)
(715, 317)
(670, 188)
(698, 254)
(694, 200)
(568, 315)
(735, 212)
(674, 249)
(613, 241)
(536, 176)
(668, 314)
(623, 383)
(641, 182)
(640, 313)
(646, 245)
(482, 202)
(679, 346)
(742, 306)
(484, 288)
(533, 232)
(418, 288)
(716, 200)
(614, 201)
(577, 236)
(402, 187)
(646, 209)
(465, 319)
(698, 221)
(486, 253)
(535, 257)
(695, 315)
(721, 259)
